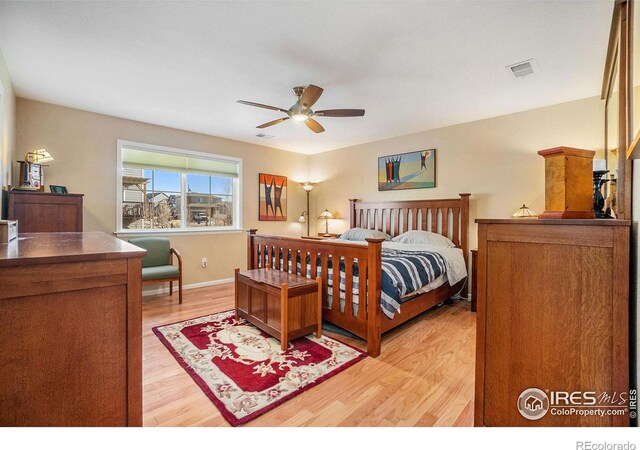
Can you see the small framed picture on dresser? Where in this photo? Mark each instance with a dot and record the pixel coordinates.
(58, 189)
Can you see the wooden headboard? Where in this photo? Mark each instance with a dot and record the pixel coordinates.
(448, 217)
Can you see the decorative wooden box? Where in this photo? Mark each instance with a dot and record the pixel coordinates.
(568, 183)
(283, 305)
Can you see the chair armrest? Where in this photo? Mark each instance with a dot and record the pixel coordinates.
(177, 253)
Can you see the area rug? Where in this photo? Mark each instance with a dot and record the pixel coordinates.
(242, 370)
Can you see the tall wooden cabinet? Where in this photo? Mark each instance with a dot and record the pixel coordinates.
(553, 314)
(39, 212)
(70, 331)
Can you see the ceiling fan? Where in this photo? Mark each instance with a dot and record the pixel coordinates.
(301, 110)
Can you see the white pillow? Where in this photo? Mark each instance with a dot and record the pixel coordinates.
(360, 234)
(423, 237)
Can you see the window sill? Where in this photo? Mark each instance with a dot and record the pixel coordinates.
(176, 232)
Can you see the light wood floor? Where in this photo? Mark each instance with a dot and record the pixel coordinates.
(424, 376)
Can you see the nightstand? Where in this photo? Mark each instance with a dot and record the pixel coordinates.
(320, 237)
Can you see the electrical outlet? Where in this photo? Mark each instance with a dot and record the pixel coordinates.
(204, 263)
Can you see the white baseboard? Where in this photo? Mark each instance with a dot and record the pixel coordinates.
(185, 287)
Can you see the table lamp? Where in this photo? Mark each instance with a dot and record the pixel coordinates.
(326, 215)
(524, 212)
(31, 173)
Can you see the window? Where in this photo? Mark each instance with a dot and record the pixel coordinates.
(165, 189)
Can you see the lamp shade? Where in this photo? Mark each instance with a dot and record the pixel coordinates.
(524, 213)
(326, 214)
(599, 164)
(38, 156)
(307, 185)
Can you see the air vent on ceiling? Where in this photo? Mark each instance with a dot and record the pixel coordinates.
(522, 69)
(264, 136)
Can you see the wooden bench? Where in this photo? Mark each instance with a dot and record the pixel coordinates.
(281, 304)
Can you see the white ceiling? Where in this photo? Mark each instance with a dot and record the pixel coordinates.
(412, 65)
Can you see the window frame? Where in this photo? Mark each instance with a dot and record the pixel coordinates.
(236, 191)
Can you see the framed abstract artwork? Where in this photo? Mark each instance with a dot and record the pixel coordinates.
(413, 170)
(272, 201)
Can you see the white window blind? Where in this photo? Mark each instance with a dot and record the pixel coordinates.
(133, 158)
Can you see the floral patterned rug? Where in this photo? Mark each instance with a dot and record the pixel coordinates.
(241, 368)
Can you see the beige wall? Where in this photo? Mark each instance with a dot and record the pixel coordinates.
(494, 159)
(7, 126)
(84, 147)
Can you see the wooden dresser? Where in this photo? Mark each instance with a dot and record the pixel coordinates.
(553, 314)
(39, 212)
(70, 331)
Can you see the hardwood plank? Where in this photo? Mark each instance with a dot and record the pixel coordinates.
(431, 353)
(465, 418)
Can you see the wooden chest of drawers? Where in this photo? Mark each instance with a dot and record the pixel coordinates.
(39, 212)
(70, 331)
(553, 314)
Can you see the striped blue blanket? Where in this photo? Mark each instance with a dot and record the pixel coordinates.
(403, 272)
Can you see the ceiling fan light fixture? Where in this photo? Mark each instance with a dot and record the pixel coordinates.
(301, 110)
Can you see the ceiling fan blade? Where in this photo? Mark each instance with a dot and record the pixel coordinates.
(310, 95)
(260, 105)
(273, 122)
(314, 126)
(340, 113)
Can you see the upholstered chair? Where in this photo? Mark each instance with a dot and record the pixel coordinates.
(157, 264)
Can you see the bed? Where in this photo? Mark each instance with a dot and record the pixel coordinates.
(447, 217)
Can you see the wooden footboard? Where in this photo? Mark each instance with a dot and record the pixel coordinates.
(283, 253)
